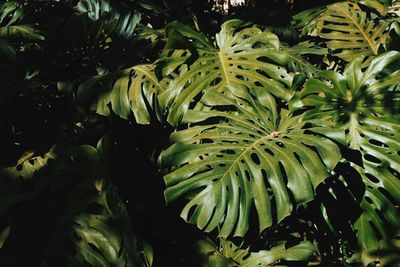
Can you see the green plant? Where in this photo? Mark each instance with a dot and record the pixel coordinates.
(290, 149)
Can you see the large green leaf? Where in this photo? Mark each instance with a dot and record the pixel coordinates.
(365, 105)
(228, 254)
(349, 31)
(256, 156)
(248, 57)
(131, 90)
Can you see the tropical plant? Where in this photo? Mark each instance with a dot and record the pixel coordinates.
(228, 254)
(283, 139)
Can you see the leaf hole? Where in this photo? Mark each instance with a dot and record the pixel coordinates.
(297, 157)
(269, 151)
(280, 144)
(255, 158)
(206, 141)
(372, 178)
(377, 143)
(371, 158)
(284, 175)
(265, 59)
(257, 83)
(369, 200)
(247, 174)
(191, 212)
(229, 151)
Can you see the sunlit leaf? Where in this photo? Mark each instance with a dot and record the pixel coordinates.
(256, 156)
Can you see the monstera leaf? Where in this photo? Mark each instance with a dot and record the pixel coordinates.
(378, 5)
(233, 160)
(307, 20)
(106, 238)
(123, 24)
(10, 13)
(364, 104)
(349, 31)
(228, 254)
(96, 222)
(22, 31)
(380, 201)
(243, 57)
(298, 64)
(28, 164)
(394, 9)
(131, 90)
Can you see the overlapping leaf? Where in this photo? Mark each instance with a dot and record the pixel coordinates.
(10, 14)
(228, 254)
(256, 156)
(106, 239)
(349, 32)
(394, 9)
(248, 57)
(364, 104)
(123, 24)
(132, 90)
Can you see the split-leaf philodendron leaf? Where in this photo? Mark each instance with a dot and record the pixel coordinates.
(133, 90)
(243, 57)
(350, 33)
(228, 254)
(257, 156)
(364, 104)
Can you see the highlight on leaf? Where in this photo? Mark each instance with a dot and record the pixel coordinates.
(349, 32)
(242, 57)
(227, 162)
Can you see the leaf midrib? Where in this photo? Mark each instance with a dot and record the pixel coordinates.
(142, 69)
(347, 15)
(223, 66)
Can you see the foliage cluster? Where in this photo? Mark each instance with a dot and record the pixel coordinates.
(282, 118)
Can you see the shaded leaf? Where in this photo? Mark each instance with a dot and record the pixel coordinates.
(123, 24)
(3, 236)
(20, 31)
(106, 239)
(131, 90)
(365, 105)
